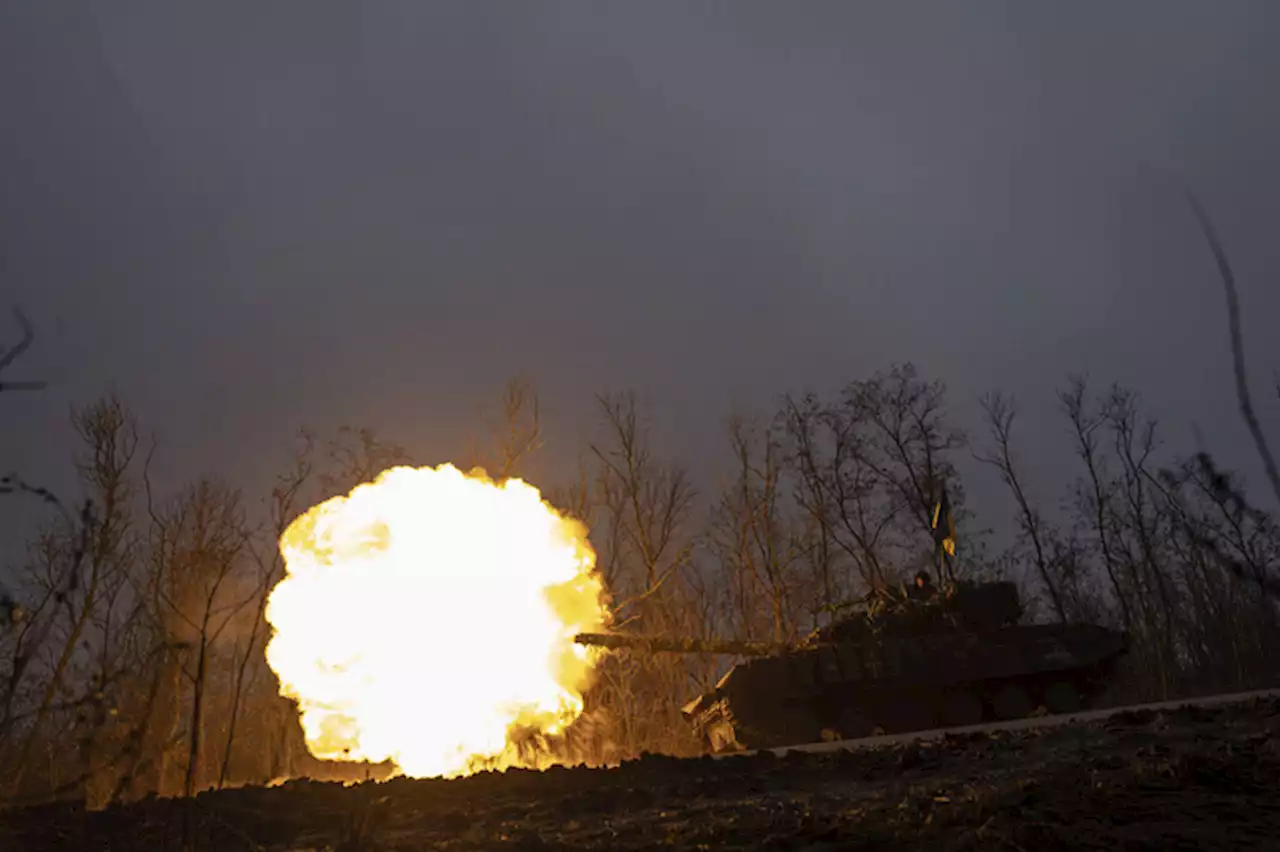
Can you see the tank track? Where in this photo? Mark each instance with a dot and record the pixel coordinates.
(850, 715)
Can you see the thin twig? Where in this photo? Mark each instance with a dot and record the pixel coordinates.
(1237, 343)
(8, 357)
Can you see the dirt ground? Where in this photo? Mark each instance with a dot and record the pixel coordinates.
(1195, 778)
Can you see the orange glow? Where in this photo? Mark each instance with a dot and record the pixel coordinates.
(426, 613)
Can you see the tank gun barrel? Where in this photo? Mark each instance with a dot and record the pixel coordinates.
(680, 645)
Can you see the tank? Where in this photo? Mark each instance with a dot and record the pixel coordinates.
(896, 661)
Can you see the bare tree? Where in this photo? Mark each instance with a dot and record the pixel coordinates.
(1048, 554)
(869, 469)
(109, 433)
(101, 559)
(88, 690)
(911, 438)
(644, 536)
(354, 456)
(753, 536)
(270, 569)
(513, 435)
(840, 490)
(1228, 629)
(646, 506)
(815, 493)
(1155, 532)
(11, 610)
(1094, 495)
(198, 540)
(1227, 496)
(1145, 523)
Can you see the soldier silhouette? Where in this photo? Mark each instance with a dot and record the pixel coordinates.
(923, 588)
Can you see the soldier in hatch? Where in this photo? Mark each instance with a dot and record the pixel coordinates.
(923, 589)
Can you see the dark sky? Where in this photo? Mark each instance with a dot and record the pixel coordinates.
(250, 216)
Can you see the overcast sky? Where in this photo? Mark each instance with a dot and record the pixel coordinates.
(251, 216)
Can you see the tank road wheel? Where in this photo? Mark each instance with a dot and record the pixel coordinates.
(1062, 697)
(1011, 702)
(854, 725)
(780, 727)
(909, 713)
(800, 726)
(960, 708)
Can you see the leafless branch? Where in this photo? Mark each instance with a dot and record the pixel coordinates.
(1000, 412)
(1237, 343)
(7, 357)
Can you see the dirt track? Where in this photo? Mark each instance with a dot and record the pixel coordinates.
(1188, 778)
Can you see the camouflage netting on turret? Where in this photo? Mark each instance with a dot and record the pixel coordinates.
(906, 611)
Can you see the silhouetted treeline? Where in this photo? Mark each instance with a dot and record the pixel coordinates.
(132, 635)
(147, 674)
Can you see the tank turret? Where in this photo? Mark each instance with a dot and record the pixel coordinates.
(895, 660)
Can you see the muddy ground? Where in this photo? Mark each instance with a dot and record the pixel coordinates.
(1206, 778)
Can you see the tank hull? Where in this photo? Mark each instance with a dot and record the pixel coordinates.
(847, 690)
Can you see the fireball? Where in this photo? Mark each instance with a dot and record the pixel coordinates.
(427, 615)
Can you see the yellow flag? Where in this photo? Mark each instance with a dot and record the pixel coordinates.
(944, 525)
